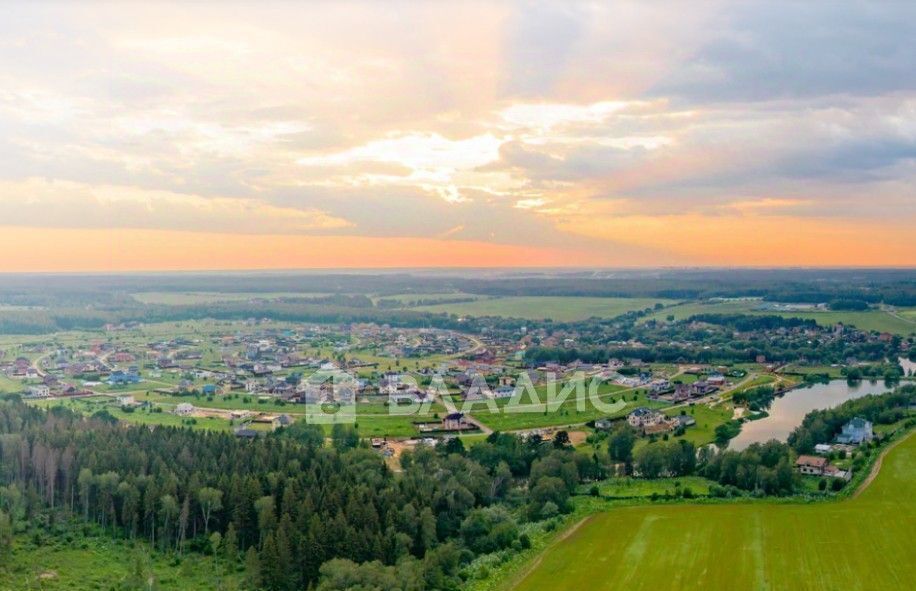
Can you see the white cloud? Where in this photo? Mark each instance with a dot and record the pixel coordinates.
(530, 203)
(546, 116)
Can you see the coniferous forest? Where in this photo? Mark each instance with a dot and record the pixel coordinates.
(292, 509)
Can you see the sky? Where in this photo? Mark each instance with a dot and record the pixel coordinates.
(205, 135)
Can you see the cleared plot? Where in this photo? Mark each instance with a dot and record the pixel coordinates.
(562, 308)
(865, 543)
(98, 562)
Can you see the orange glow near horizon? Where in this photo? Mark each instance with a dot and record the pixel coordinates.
(99, 250)
(78, 250)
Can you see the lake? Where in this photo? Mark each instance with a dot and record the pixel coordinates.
(787, 412)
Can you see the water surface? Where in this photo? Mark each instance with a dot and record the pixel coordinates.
(787, 412)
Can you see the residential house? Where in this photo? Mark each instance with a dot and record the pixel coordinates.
(39, 391)
(811, 465)
(856, 431)
(644, 417)
(456, 421)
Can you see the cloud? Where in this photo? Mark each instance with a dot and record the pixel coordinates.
(66, 204)
(516, 123)
(766, 50)
(530, 203)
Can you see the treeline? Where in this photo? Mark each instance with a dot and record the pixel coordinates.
(291, 509)
(873, 286)
(331, 310)
(389, 303)
(821, 426)
(710, 338)
(756, 399)
(763, 469)
(748, 322)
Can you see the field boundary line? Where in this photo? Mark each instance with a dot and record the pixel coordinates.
(523, 574)
(876, 467)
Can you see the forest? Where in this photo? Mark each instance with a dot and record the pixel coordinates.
(293, 511)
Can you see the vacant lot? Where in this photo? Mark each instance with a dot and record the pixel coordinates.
(69, 560)
(865, 543)
(561, 309)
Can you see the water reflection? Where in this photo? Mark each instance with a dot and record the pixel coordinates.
(787, 412)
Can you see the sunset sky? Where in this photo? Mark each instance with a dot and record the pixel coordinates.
(207, 135)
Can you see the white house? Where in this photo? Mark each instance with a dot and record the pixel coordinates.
(855, 432)
(39, 391)
(644, 417)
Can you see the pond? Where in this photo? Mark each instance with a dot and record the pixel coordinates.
(787, 412)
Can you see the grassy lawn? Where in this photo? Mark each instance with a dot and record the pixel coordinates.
(803, 370)
(861, 543)
(561, 309)
(640, 487)
(88, 406)
(708, 418)
(566, 414)
(9, 385)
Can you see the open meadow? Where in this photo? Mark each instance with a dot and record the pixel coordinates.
(561, 309)
(876, 320)
(865, 543)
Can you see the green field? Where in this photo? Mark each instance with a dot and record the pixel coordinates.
(629, 488)
(568, 413)
(562, 309)
(866, 543)
(180, 298)
(55, 563)
(877, 320)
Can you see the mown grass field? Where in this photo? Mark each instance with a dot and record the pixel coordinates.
(562, 309)
(877, 320)
(865, 543)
